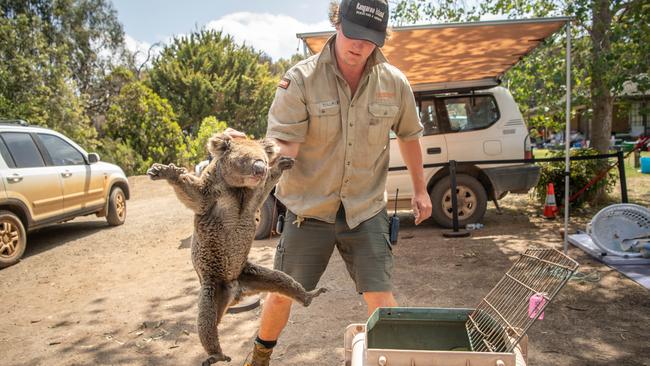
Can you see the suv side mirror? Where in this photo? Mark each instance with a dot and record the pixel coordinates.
(93, 158)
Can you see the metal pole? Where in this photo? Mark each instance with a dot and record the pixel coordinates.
(567, 137)
(621, 175)
(456, 232)
(454, 199)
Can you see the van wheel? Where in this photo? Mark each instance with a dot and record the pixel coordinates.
(13, 239)
(472, 201)
(116, 207)
(265, 219)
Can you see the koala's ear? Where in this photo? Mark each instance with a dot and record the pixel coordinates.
(219, 144)
(272, 149)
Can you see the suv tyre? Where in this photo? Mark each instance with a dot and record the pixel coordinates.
(265, 219)
(472, 201)
(13, 239)
(116, 207)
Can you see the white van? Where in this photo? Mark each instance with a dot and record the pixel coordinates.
(466, 125)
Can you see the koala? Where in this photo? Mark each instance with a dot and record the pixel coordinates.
(225, 198)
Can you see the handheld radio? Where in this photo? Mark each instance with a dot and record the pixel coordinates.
(394, 223)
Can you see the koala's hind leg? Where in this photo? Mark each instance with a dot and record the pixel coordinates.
(256, 278)
(187, 186)
(213, 303)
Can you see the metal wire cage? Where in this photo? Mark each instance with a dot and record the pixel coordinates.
(502, 318)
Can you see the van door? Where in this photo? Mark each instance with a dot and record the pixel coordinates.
(434, 150)
(27, 179)
(83, 188)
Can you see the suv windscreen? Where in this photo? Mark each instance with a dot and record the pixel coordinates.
(471, 112)
(23, 150)
(61, 152)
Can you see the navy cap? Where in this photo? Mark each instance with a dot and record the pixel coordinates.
(364, 19)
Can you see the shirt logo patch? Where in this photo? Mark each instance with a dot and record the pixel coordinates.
(385, 95)
(284, 83)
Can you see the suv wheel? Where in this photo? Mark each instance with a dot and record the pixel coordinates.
(13, 239)
(116, 207)
(472, 201)
(265, 219)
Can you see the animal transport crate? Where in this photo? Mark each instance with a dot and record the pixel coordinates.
(492, 334)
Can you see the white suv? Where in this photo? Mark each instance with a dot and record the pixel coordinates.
(467, 125)
(46, 179)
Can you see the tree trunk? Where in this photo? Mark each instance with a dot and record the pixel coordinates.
(601, 96)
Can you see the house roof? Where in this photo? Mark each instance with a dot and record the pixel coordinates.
(436, 55)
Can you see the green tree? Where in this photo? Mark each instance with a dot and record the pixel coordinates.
(80, 29)
(142, 120)
(34, 88)
(207, 74)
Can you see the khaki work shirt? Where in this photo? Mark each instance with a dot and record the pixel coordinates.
(344, 139)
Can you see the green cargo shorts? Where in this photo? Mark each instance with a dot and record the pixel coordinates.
(304, 252)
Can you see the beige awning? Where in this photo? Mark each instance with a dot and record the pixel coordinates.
(436, 55)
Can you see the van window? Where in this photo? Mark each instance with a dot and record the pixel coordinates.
(471, 112)
(429, 118)
(23, 150)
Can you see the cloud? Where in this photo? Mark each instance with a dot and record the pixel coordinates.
(275, 35)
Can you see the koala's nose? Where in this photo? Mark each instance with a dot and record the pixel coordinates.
(259, 168)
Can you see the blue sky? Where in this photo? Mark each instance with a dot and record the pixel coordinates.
(269, 25)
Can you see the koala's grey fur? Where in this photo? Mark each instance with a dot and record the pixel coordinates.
(225, 199)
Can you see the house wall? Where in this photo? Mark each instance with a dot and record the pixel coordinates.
(620, 119)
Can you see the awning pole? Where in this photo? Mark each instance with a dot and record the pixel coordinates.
(567, 137)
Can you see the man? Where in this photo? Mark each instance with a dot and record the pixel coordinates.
(333, 113)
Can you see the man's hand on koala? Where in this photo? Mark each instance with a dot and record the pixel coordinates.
(161, 171)
(285, 162)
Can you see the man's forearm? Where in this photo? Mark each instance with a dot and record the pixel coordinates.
(412, 154)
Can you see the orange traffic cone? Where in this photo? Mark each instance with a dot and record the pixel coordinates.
(550, 208)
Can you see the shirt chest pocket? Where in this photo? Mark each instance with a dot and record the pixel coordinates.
(382, 117)
(324, 119)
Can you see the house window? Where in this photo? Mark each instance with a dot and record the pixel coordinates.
(636, 119)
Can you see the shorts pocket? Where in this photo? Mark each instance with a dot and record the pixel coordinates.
(388, 244)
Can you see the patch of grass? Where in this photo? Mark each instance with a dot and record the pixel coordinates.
(630, 170)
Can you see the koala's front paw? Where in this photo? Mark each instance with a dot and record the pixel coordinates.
(161, 171)
(155, 172)
(312, 294)
(286, 162)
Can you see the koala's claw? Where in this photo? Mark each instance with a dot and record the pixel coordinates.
(215, 358)
(310, 295)
(154, 171)
(160, 171)
(285, 163)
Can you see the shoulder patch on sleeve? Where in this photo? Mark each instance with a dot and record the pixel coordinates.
(284, 83)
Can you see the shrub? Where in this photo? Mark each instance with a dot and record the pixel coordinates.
(119, 153)
(582, 172)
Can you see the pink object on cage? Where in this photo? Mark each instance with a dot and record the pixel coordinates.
(535, 305)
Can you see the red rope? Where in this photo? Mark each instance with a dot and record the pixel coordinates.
(642, 142)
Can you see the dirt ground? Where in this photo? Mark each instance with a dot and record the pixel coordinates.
(89, 294)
